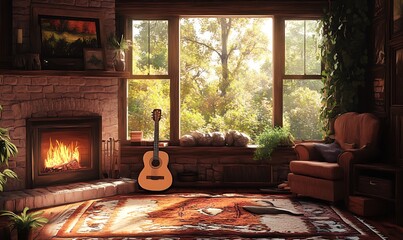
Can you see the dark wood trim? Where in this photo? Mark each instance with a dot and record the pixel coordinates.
(173, 70)
(302, 77)
(278, 69)
(142, 77)
(210, 7)
(6, 33)
(122, 112)
(128, 150)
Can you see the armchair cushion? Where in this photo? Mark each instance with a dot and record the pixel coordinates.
(330, 152)
(323, 170)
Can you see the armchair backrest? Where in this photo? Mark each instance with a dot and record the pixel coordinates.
(354, 130)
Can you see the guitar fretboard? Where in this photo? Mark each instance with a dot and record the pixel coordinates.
(156, 138)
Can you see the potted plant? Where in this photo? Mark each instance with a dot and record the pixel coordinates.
(270, 139)
(7, 150)
(24, 222)
(120, 46)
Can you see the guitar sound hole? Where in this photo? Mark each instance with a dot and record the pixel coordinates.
(155, 162)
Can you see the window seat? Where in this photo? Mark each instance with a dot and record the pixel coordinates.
(214, 166)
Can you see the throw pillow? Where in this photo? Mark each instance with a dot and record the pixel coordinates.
(330, 152)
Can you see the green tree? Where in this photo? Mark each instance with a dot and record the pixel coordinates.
(302, 107)
(225, 77)
(217, 79)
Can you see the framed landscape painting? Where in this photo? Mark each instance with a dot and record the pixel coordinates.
(63, 40)
(93, 59)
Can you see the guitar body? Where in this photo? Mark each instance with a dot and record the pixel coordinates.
(155, 178)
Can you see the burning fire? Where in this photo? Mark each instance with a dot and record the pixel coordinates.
(61, 154)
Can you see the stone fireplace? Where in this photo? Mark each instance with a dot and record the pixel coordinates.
(62, 150)
(55, 94)
(42, 97)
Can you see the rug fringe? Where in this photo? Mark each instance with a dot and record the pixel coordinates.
(373, 229)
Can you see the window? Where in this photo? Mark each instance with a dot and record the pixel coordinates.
(150, 47)
(216, 73)
(150, 87)
(225, 74)
(301, 82)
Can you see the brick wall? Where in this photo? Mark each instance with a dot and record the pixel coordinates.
(23, 96)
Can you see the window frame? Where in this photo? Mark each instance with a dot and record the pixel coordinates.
(308, 11)
(172, 76)
(279, 74)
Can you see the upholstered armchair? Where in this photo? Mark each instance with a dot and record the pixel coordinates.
(324, 171)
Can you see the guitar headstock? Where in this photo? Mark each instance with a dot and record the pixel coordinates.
(157, 114)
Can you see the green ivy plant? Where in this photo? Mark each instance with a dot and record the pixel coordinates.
(344, 54)
(269, 139)
(7, 150)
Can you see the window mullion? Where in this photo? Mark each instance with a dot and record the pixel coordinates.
(278, 69)
(173, 72)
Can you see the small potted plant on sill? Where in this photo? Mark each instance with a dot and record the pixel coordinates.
(25, 222)
(270, 139)
(120, 46)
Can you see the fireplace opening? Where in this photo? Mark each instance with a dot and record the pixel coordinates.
(63, 150)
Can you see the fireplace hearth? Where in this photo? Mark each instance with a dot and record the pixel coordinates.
(63, 150)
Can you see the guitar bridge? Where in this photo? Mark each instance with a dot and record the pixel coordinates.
(155, 177)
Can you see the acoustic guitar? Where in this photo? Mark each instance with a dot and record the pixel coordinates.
(155, 176)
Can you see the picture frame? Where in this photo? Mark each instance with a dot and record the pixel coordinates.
(397, 83)
(63, 40)
(397, 16)
(94, 59)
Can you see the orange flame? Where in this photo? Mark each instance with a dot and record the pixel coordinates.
(61, 154)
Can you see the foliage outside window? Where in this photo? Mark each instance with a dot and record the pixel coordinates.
(302, 103)
(226, 76)
(301, 84)
(151, 86)
(144, 96)
(150, 48)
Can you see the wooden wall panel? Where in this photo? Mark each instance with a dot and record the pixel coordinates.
(397, 135)
(6, 34)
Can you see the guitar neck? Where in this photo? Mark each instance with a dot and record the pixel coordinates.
(156, 139)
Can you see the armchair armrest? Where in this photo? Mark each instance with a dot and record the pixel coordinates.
(307, 151)
(353, 156)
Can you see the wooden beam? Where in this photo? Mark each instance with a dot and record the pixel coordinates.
(210, 7)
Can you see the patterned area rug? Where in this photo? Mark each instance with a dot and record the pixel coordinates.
(208, 216)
